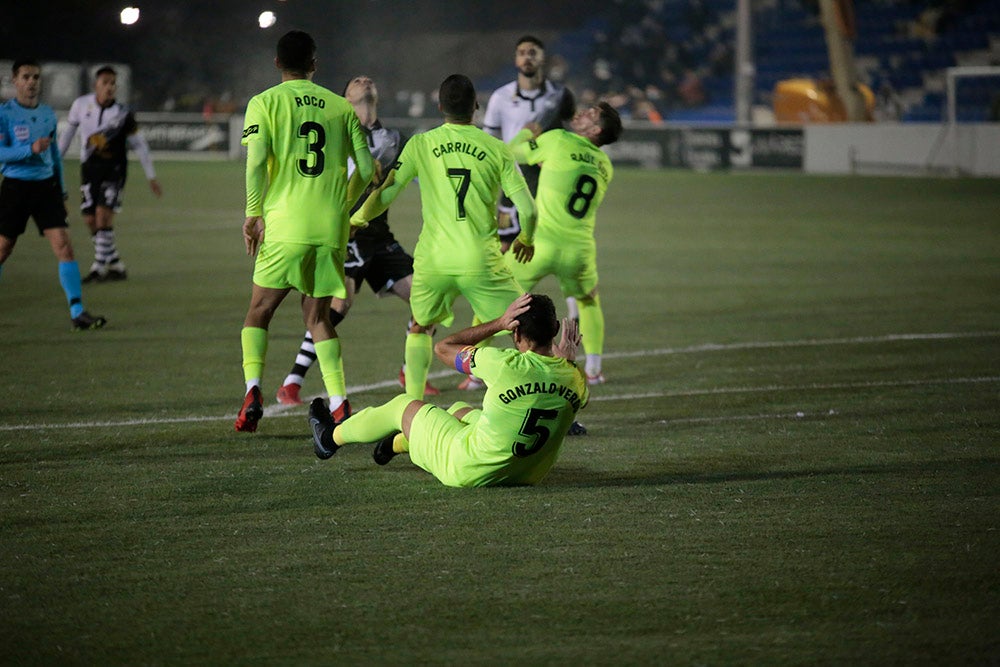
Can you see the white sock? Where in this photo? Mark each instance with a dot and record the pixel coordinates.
(593, 365)
(571, 309)
(253, 383)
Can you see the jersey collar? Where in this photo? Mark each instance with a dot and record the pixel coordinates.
(541, 91)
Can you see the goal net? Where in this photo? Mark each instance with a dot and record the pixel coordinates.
(972, 96)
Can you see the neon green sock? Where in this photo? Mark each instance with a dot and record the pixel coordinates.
(373, 424)
(418, 355)
(254, 341)
(331, 366)
(592, 324)
(400, 444)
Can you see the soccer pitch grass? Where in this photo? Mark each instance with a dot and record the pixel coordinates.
(794, 460)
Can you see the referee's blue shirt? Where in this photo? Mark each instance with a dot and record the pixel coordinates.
(20, 127)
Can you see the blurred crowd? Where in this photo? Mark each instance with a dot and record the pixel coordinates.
(654, 57)
(648, 58)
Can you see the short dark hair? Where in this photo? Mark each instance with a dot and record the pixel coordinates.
(21, 62)
(539, 322)
(531, 39)
(611, 125)
(296, 52)
(105, 69)
(457, 96)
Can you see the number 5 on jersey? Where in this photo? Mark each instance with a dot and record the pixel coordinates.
(536, 434)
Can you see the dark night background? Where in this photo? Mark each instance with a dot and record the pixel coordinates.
(186, 51)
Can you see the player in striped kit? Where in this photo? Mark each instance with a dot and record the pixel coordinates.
(107, 130)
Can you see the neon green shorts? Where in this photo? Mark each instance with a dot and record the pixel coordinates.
(439, 444)
(433, 295)
(436, 443)
(575, 268)
(313, 270)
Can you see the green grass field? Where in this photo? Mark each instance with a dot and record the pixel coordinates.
(794, 461)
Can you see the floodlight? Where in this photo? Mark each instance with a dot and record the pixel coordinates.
(129, 15)
(266, 19)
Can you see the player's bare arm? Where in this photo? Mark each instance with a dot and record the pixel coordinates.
(447, 348)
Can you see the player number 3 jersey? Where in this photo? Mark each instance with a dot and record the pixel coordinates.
(307, 133)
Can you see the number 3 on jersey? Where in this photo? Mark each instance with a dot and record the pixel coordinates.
(312, 165)
(536, 434)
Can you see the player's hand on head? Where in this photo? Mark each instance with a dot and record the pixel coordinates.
(517, 308)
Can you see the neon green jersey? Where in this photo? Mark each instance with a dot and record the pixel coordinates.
(461, 170)
(298, 137)
(574, 178)
(530, 403)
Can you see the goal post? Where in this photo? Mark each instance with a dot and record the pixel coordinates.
(978, 110)
(955, 74)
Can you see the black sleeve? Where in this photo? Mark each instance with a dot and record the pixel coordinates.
(568, 105)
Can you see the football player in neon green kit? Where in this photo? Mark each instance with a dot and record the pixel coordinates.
(533, 394)
(298, 137)
(574, 178)
(461, 169)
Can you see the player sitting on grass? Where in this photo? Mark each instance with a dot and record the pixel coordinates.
(533, 394)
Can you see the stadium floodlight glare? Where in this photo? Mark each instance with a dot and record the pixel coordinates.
(129, 15)
(266, 19)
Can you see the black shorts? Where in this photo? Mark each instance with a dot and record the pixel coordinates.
(509, 225)
(41, 200)
(380, 264)
(101, 184)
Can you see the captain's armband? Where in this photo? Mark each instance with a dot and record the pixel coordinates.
(465, 359)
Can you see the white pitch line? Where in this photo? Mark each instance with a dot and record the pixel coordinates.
(797, 387)
(620, 397)
(748, 418)
(809, 342)
(293, 411)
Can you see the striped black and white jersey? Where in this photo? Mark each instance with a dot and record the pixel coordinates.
(511, 108)
(385, 145)
(106, 134)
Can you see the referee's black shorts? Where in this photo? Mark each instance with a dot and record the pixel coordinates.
(41, 200)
